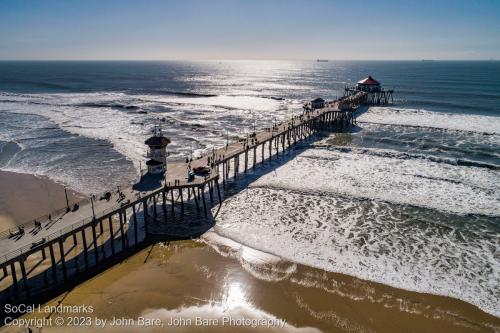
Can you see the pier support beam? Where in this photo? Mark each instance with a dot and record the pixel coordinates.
(24, 275)
(182, 200)
(172, 202)
(270, 147)
(196, 199)
(154, 207)
(122, 232)
(63, 261)
(218, 192)
(210, 191)
(202, 190)
(164, 204)
(85, 250)
(224, 168)
(136, 237)
(94, 238)
(14, 277)
(236, 166)
(246, 160)
(145, 214)
(254, 156)
(111, 235)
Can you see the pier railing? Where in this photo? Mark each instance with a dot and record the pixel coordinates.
(42, 218)
(56, 234)
(54, 215)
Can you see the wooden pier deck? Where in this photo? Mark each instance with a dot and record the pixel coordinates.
(74, 242)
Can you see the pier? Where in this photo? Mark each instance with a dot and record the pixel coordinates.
(74, 245)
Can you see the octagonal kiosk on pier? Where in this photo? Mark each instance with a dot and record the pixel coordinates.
(157, 154)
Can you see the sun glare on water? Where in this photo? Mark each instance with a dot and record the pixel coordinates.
(234, 296)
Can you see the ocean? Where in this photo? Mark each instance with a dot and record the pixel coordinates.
(409, 198)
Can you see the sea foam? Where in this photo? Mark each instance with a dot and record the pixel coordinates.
(424, 118)
(415, 224)
(420, 182)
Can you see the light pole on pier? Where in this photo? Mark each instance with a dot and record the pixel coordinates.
(92, 203)
(67, 201)
(253, 116)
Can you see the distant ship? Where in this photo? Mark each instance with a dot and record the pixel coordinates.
(321, 60)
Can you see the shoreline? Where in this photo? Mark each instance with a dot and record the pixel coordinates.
(321, 301)
(157, 283)
(207, 235)
(25, 197)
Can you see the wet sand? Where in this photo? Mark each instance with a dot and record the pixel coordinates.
(24, 197)
(206, 279)
(184, 280)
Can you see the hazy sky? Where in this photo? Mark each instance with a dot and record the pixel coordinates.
(251, 29)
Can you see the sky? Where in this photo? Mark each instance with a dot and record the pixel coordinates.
(249, 29)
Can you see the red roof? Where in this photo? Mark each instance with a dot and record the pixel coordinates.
(369, 81)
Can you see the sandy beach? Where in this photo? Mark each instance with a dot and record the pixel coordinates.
(231, 287)
(180, 281)
(24, 197)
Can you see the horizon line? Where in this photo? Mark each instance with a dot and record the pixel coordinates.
(260, 59)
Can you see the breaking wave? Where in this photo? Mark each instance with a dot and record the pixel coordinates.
(402, 155)
(424, 118)
(402, 243)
